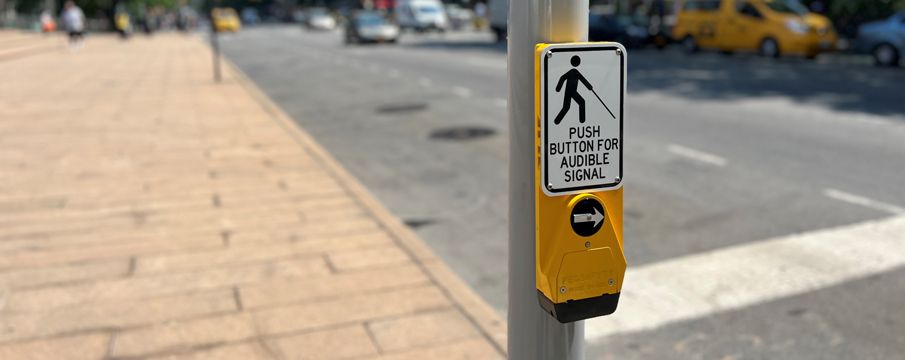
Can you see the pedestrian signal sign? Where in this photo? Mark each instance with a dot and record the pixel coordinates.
(582, 88)
(579, 264)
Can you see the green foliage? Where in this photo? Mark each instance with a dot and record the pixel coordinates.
(29, 6)
(847, 15)
(92, 7)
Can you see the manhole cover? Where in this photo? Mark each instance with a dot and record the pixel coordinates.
(462, 133)
(417, 223)
(401, 108)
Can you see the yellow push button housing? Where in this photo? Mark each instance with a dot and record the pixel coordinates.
(580, 265)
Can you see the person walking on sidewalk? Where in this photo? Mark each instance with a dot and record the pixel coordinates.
(74, 22)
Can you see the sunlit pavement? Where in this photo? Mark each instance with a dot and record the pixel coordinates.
(147, 212)
(763, 198)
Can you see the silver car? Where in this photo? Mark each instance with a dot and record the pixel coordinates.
(884, 39)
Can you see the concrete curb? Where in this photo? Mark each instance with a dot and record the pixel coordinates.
(485, 318)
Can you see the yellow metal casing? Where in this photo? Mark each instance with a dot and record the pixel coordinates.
(577, 277)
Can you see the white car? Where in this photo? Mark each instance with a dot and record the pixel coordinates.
(421, 15)
(320, 19)
(369, 27)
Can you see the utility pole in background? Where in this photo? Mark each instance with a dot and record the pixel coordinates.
(215, 51)
(533, 334)
(215, 39)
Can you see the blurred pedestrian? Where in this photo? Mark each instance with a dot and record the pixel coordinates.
(123, 24)
(48, 24)
(74, 22)
(480, 19)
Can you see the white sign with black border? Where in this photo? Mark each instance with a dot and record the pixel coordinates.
(582, 91)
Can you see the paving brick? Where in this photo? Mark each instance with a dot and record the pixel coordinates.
(106, 251)
(308, 289)
(421, 329)
(341, 343)
(359, 308)
(471, 349)
(89, 346)
(182, 335)
(44, 243)
(302, 233)
(254, 247)
(367, 258)
(244, 351)
(33, 277)
(116, 314)
(159, 285)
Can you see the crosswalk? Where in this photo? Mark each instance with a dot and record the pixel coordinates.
(703, 284)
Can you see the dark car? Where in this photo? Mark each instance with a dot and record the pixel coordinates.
(884, 39)
(626, 30)
(370, 26)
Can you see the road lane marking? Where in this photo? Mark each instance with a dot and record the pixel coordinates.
(501, 102)
(697, 155)
(696, 286)
(393, 73)
(461, 92)
(863, 201)
(425, 82)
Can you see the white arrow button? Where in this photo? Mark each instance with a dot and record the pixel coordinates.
(594, 217)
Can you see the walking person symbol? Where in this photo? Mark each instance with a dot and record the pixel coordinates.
(571, 79)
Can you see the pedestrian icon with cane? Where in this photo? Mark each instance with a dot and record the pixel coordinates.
(571, 79)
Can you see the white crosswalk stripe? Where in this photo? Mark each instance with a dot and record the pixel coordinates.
(702, 284)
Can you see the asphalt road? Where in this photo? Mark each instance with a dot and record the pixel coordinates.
(722, 152)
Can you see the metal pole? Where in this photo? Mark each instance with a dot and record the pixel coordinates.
(215, 49)
(533, 334)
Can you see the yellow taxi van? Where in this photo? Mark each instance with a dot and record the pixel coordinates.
(225, 19)
(769, 27)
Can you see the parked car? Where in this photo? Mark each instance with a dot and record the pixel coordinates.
(299, 16)
(370, 26)
(884, 39)
(421, 15)
(770, 27)
(250, 16)
(624, 29)
(225, 19)
(320, 19)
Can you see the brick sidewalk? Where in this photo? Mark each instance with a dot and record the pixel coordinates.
(16, 43)
(146, 212)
